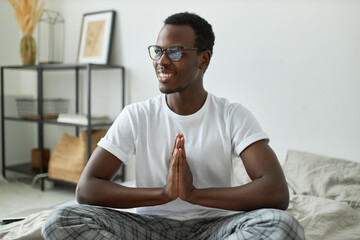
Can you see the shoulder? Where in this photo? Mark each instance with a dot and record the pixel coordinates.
(149, 106)
(151, 103)
(225, 107)
(138, 113)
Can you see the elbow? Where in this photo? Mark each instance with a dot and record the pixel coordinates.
(283, 203)
(82, 195)
(275, 194)
(79, 195)
(281, 198)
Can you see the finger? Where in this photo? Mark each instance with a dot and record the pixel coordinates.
(174, 146)
(182, 159)
(176, 167)
(183, 147)
(183, 153)
(179, 142)
(174, 161)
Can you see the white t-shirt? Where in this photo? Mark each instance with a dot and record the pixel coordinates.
(214, 135)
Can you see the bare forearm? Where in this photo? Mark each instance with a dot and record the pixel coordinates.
(254, 195)
(104, 193)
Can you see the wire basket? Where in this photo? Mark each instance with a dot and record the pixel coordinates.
(28, 107)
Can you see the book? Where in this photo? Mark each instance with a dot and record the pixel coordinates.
(81, 118)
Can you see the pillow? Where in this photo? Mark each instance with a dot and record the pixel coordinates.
(321, 176)
(240, 175)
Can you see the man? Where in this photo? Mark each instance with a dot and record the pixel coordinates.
(184, 141)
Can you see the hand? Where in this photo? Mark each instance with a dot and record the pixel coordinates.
(179, 180)
(185, 176)
(171, 187)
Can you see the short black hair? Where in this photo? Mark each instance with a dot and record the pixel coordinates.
(205, 38)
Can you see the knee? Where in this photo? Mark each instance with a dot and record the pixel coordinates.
(49, 225)
(285, 224)
(270, 224)
(56, 221)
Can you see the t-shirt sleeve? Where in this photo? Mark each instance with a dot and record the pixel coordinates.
(119, 139)
(245, 129)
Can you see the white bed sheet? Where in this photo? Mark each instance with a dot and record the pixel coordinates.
(324, 197)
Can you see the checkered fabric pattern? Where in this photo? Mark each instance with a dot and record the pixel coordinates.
(91, 222)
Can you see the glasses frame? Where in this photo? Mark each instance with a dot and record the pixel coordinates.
(164, 50)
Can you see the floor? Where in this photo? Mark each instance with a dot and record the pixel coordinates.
(19, 193)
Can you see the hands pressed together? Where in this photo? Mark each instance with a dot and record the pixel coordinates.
(179, 180)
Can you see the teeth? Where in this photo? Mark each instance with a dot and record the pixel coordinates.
(165, 75)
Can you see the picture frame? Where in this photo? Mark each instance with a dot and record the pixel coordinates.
(96, 37)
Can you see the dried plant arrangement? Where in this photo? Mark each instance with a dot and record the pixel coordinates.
(27, 14)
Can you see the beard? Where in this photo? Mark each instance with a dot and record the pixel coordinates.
(176, 90)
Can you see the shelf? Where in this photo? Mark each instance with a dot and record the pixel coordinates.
(64, 66)
(108, 123)
(24, 168)
(45, 119)
(54, 122)
(22, 119)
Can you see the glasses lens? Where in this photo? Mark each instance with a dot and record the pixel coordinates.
(155, 52)
(174, 53)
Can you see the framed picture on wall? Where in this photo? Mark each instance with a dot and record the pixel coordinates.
(96, 37)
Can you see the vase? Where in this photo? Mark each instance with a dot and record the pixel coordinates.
(28, 50)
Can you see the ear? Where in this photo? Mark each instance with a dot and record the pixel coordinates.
(205, 59)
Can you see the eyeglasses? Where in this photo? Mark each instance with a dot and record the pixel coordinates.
(173, 52)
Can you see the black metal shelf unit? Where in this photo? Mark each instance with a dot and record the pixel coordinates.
(39, 69)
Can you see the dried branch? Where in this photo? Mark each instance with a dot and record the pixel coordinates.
(27, 14)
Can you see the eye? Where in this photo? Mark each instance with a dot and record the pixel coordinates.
(174, 53)
(157, 51)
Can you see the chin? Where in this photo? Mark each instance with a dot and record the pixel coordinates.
(168, 91)
(176, 90)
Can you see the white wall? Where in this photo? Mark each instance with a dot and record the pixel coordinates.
(294, 63)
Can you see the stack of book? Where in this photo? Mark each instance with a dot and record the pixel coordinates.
(81, 119)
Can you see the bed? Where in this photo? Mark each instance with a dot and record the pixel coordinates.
(324, 197)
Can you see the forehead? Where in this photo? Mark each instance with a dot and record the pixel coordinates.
(176, 35)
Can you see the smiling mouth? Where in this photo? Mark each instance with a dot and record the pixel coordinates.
(164, 76)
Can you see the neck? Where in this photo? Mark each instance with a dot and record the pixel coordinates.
(186, 104)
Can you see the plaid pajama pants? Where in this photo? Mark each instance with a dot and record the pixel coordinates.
(91, 222)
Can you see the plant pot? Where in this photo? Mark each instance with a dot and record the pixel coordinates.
(28, 50)
(36, 160)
